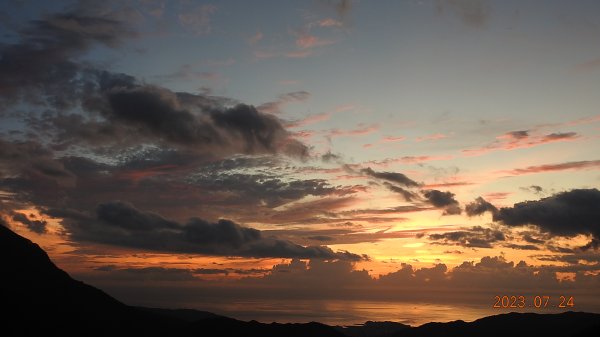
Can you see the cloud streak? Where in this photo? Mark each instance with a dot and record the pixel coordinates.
(573, 165)
(121, 224)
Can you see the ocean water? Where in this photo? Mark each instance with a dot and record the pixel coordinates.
(341, 312)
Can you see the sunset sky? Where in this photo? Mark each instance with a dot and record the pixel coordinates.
(262, 158)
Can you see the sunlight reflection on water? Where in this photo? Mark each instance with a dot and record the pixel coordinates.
(340, 312)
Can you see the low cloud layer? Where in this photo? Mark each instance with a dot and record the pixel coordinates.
(470, 282)
(475, 237)
(121, 224)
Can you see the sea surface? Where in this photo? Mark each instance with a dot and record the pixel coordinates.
(350, 312)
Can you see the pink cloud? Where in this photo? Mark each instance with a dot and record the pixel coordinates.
(303, 134)
(573, 165)
(433, 137)
(447, 185)
(362, 130)
(312, 119)
(307, 41)
(389, 139)
(385, 140)
(586, 120)
(494, 196)
(520, 139)
(320, 117)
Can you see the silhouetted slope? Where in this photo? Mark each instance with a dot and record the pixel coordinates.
(39, 298)
(224, 326)
(188, 315)
(514, 325)
(373, 329)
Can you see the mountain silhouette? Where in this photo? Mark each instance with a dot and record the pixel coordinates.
(39, 299)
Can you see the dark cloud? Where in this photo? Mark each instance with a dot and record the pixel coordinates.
(535, 189)
(330, 157)
(31, 159)
(44, 68)
(196, 122)
(593, 244)
(407, 195)
(560, 136)
(480, 206)
(531, 239)
(566, 213)
(519, 134)
(211, 271)
(38, 226)
(323, 238)
(227, 271)
(475, 237)
(40, 67)
(393, 177)
(522, 247)
(443, 200)
(172, 274)
(270, 190)
(121, 224)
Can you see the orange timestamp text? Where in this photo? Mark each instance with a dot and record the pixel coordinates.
(538, 302)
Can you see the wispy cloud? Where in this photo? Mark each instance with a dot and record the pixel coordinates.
(386, 140)
(198, 20)
(573, 165)
(306, 41)
(275, 107)
(328, 22)
(520, 139)
(406, 160)
(254, 39)
(360, 131)
(323, 116)
(433, 137)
